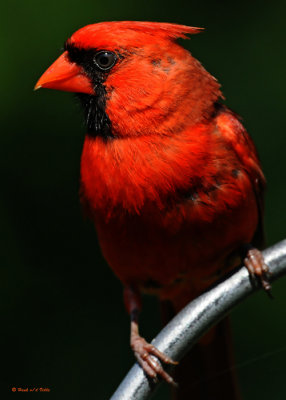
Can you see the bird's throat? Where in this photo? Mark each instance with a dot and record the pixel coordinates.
(96, 119)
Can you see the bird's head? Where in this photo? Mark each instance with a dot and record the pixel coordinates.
(133, 78)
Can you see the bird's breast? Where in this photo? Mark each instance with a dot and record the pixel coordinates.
(129, 173)
(166, 210)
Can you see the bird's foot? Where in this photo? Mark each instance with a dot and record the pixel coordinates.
(144, 353)
(254, 262)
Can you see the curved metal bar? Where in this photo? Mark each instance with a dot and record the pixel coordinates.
(196, 318)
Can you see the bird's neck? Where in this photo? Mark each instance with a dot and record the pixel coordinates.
(177, 96)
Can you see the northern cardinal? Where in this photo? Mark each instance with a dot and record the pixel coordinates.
(171, 178)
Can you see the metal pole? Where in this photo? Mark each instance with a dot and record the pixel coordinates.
(196, 318)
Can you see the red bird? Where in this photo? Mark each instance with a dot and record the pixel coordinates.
(171, 178)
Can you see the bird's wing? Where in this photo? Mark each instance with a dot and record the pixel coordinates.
(235, 134)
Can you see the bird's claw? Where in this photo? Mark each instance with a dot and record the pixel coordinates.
(145, 354)
(257, 268)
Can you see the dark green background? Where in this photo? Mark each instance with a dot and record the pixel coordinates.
(63, 321)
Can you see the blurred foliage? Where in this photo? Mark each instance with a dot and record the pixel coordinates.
(63, 322)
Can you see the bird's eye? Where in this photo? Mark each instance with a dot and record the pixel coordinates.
(105, 60)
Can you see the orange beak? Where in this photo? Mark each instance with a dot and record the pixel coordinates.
(65, 75)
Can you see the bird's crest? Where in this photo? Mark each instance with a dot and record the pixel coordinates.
(130, 32)
(167, 30)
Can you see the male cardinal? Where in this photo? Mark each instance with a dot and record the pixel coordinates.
(169, 175)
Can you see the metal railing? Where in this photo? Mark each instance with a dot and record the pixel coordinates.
(196, 318)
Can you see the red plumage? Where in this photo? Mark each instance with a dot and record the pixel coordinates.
(178, 193)
(176, 189)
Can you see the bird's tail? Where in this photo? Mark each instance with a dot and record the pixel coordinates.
(207, 371)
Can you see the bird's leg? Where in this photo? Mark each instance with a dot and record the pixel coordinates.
(254, 262)
(144, 352)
